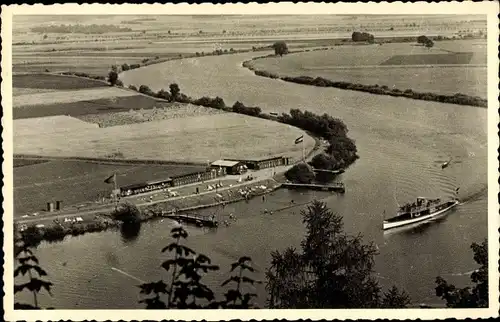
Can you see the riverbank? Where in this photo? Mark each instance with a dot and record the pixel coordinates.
(74, 221)
(98, 220)
(458, 98)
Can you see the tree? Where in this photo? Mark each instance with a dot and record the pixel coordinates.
(174, 91)
(112, 77)
(28, 265)
(300, 173)
(164, 95)
(468, 297)
(280, 48)
(332, 269)
(144, 89)
(422, 39)
(324, 161)
(429, 44)
(127, 213)
(362, 36)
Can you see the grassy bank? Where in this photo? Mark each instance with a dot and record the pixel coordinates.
(458, 98)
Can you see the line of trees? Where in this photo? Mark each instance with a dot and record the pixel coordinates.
(331, 269)
(458, 98)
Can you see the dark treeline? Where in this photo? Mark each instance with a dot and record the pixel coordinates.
(125, 214)
(85, 75)
(458, 98)
(33, 235)
(341, 151)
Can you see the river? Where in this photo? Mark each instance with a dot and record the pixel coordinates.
(401, 144)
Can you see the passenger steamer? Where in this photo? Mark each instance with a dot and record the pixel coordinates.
(420, 210)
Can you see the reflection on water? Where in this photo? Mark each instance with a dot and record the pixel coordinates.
(130, 231)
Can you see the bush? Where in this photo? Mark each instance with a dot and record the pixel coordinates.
(144, 89)
(300, 173)
(280, 48)
(362, 36)
(324, 161)
(164, 95)
(132, 87)
(183, 98)
(217, 102)
(112, 77)
(127, 213)
(125, 67)
(240, 108)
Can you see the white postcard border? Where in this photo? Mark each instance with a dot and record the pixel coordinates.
(488, 8)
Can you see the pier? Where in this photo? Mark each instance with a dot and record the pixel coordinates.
(337, 187)
(340, 171)
(201, 221)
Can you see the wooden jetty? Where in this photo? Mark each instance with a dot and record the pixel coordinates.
(337, 187)
(200, 221)
(340, 171)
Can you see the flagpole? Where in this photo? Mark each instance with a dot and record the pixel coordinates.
(303, 153)
(116, 194)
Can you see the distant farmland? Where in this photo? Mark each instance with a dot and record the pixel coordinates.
(74, 182)
(393, 65)
(91, 106)
(53, 82)
(40, 95)
(190, 139)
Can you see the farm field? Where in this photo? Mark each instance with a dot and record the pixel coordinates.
(42, 48)
(189, 139)
(76, 182)
(62, 97)
(50, 124)
(389, 65)
(17, 91)
(53, 82)
(89, 106)
(39, 95)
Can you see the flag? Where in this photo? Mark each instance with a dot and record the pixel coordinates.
(299, 139)
(111, 179)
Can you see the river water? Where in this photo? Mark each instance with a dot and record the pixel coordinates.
(401, 144)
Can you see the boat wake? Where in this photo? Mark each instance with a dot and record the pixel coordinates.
(127, 274)
(461, 274)
(475, 196)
